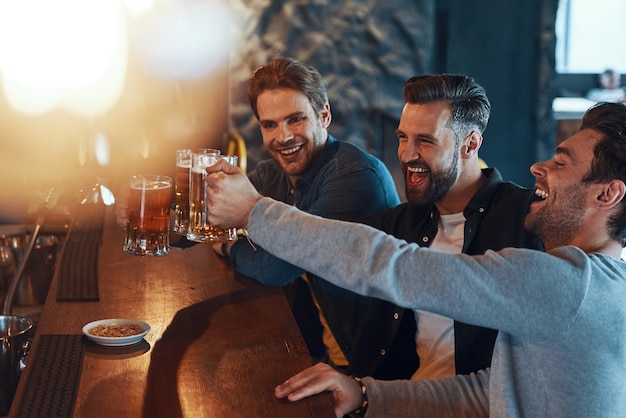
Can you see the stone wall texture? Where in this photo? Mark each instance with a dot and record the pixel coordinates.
(365, 49)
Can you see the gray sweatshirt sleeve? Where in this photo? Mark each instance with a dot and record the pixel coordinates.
(513, 290)
(452, 397)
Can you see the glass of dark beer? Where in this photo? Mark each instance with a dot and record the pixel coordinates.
(147, 232)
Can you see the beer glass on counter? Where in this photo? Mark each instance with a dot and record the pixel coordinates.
(200, 230)
(183, 171)
(147, 232)
(181, 191)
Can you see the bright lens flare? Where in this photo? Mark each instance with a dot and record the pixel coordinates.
(138, 7)
(64, 52)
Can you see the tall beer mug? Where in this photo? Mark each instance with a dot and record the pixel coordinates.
(147, 231)
(183, 171)
(200, 230)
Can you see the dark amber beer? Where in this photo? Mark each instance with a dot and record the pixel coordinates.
(147, 232)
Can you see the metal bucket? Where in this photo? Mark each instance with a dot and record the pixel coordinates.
(10, 253)
(14, 336)
(37, 275)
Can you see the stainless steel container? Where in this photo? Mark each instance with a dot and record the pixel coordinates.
(14, 336)
(11, 239)
(37, 275)
(33, 286)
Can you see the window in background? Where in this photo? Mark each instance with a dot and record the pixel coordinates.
(591, 36)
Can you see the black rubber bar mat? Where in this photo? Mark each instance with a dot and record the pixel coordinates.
(54, 376)
(78, 274)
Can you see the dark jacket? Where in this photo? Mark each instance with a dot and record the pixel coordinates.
(494, 220)
(346, 183)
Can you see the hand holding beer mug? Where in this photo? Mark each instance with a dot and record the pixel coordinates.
(147, 232)
(200, 229)
(231, 195)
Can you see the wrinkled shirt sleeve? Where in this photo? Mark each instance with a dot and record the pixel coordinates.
(451, 397)
(515, 287)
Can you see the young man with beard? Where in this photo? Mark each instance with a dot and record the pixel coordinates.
(561, 346)
(318, 174)
(453, 206)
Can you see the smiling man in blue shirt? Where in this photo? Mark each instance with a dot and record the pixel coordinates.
(313, 171)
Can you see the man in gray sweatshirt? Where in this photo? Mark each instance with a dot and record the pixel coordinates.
(561, 316)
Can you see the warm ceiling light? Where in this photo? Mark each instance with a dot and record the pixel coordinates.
(69, 53)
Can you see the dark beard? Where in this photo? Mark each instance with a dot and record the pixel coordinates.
(555, 226)
(440, 184)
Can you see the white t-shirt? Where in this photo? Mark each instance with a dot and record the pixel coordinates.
(435, 333)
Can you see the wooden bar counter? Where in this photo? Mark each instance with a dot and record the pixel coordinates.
(219, 342)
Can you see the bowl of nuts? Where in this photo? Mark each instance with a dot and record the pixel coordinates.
(116, 332)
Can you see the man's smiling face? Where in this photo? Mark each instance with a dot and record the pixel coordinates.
(557, 214)
(293, 133)
(428, 151)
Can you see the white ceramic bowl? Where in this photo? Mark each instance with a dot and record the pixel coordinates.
(116, 341)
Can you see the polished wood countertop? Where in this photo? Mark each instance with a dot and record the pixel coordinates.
(219, 342)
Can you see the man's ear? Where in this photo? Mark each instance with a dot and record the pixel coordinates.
(611, 194)
(326, 117)
(471, 144)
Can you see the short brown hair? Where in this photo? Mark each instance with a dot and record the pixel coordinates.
(288, 73)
